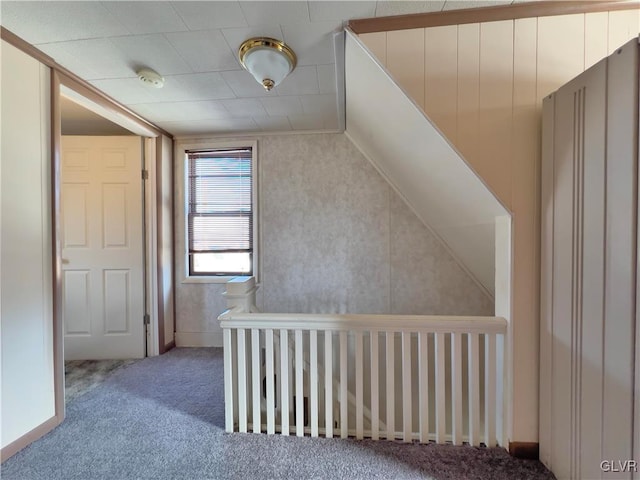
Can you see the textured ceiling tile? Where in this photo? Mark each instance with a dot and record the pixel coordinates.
(197, 86)
(210, 126)
(204, 51)
(177, 88)
(340, 11)
(272, 124)
(403, 7)
(302, 81)
(270, 13)
(282, 106)
(461, 4)
(125, 90)
(306, 122)
(243, 84)
(61, 54)
(210, 15)
(235, 36)
(319, 104)
(146, 17)
(244, 107)
(89, 59)
(327, 78)
(312, 43)
(153, 51)
(44, 22)
(181, 111)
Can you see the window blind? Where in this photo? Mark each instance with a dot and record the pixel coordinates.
(220, 201)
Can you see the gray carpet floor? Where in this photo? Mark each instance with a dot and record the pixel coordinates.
(80, 376)
(163, 418)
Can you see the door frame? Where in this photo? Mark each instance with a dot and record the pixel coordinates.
(152, 143)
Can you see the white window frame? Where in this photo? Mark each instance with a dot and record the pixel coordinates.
(181, 206)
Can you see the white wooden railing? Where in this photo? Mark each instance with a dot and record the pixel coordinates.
(407, 377)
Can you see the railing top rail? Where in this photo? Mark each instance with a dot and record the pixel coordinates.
(396, 323)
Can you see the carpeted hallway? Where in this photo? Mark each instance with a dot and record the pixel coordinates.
(163, 418)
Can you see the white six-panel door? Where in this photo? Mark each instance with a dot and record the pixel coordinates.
(102, 247)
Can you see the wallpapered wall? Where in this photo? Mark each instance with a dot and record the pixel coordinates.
(335, 238)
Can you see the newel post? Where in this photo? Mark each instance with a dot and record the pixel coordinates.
(241, 292)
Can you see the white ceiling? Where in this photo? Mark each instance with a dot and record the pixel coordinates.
(193, 45)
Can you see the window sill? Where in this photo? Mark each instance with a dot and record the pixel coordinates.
(205, 279)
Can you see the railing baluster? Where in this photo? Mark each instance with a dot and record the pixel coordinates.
(268, 343)
(242, 381)
(255, 379)
(474, 390)
(456, 388)
(291, 388)
(490, 390)
(228, 380)
(391, 389)
(501, 373)
(328, 383)
(284, 397)
(423, 372)
(278, 380)
(344, 403)
(299, 369)
(406, 386)
(375, 393)
(501, 376)
(284, 381)
(441, 414)
(313, 380)
(359, 387)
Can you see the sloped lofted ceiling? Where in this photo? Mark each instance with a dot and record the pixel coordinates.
(77, 120)
(193, 45)
(420, 163)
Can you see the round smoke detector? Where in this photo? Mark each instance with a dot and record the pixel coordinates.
(150, 78)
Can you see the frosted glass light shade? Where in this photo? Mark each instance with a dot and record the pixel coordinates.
(268, 60)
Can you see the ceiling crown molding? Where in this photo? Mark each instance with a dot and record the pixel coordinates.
(487, 14)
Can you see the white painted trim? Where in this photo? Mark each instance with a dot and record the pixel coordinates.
(199, 339)
(180, 224)
(444, 244)
(151, 245)
(504, 307)
(236, 318)
(232, 135)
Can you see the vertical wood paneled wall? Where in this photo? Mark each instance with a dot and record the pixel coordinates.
(589, 252)
(483, 84)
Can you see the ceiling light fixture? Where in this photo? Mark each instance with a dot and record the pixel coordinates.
(267, 59)
(150, 78)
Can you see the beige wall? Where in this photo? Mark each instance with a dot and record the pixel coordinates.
(25, 255)
(334, 238)
(483, 85)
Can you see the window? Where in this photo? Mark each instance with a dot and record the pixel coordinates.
(220, 213)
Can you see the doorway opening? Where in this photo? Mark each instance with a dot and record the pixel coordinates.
(102, 236)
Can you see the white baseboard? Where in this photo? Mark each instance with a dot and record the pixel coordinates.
(198, 339)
